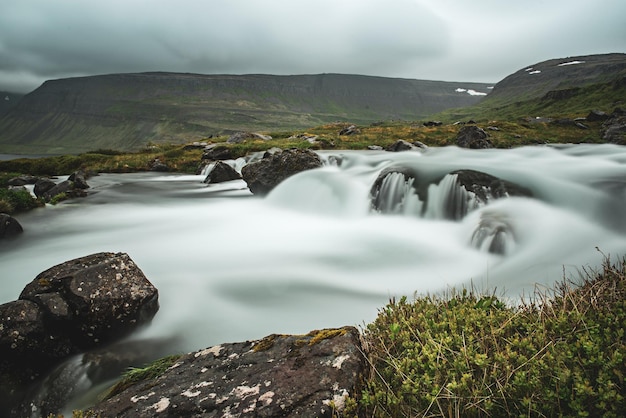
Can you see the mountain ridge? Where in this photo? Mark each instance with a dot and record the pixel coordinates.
(126, 111)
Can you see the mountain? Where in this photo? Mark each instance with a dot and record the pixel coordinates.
(127, 111)
(8, 100)
(563, 87)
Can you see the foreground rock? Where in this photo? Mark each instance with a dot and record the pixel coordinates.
(9, 226)
(262, 176)
(279, 376)
(67, 309)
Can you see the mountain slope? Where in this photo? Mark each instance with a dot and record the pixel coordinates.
(126, 111)
(562, 87)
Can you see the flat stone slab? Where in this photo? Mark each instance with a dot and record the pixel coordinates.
(278, 376)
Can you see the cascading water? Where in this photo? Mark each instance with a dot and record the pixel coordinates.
(230, 266)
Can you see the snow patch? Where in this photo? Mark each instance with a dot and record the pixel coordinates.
(470, 92)
(535, 72)
(570, 63)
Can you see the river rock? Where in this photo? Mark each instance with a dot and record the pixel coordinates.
(278, 376)
(42, 186)
(94, 299)
(262, 176)
(79, 180)
(215, 152)
(9, 226)
(71, 307)
(222, 172)
(471, 136)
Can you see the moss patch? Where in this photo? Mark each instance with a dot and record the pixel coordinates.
(562, 354)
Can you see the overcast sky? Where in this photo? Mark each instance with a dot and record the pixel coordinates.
(452, 40)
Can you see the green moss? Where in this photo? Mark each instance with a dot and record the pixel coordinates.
(469, 355)
(147, 373)
(325, 334)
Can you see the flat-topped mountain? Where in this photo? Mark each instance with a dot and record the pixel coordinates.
(126, 111)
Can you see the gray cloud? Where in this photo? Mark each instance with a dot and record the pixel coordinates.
(483, 40)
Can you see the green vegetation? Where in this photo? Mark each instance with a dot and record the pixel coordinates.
(136, 375)
(14, 201)
(463, 354)
(564, 103)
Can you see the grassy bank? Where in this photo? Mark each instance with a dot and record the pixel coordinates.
(462, 354)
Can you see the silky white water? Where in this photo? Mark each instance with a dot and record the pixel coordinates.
(230, 266)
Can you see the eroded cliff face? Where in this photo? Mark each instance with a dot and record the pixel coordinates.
(126, 111)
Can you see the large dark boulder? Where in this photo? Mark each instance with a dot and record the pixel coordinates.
(42, 186)
(94, 299)
(278, 376)
(74, 306)
(221, 172)
(471, 136)
(262, 176)
(9, 226)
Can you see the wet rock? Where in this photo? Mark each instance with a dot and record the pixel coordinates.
(67, 309)
(106, 296)
(216, 152)
(375, 148)
(43, 186)
(79, 180)
(279, 376)
(262, 176)
(471, 136)
(9, 226)
(221, 172)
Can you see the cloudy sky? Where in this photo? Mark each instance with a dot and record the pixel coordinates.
(453, 40)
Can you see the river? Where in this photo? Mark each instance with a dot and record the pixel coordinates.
(312, 254)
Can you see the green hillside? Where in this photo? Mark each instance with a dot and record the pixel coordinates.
(127, 111)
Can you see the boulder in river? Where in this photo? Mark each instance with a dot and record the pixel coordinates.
(80, 304)
(278, 376)
(9, 226)
(263, 175)
(221, 172)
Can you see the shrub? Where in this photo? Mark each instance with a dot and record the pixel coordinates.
(470, 355)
